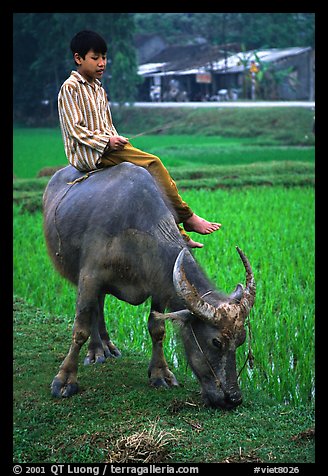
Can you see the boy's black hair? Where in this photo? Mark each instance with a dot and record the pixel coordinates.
(87, 40)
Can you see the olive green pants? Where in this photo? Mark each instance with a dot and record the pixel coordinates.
(154, 165)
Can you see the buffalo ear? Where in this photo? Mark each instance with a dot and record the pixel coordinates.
(237, 294)
(179, 317)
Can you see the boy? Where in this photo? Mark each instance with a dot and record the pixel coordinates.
(90, 138)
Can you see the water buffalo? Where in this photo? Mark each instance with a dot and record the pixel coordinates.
(114, 233)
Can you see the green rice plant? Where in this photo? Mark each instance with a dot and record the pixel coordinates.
(273, 226)
(290, 126)
(195, 155)
(115, 401)
(35, 279)
(35, 149)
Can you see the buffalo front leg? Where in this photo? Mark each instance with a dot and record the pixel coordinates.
(100, 346)
(158, 371)
(65, 382)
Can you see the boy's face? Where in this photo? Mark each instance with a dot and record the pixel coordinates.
(92, 66)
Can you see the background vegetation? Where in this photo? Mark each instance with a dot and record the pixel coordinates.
(40, 36)
(261, 183)
(115, 402)
(178, 137)
(254, 30)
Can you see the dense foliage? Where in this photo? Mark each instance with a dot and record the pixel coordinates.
(42, 58)
(254, 30)
(215, 175)
(273, 224)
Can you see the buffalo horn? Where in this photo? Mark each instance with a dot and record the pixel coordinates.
(205, 311)
(247, 301)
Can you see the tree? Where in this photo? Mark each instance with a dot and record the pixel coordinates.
(43, 60)
(254, 30)
(123, 67)
(41, 56)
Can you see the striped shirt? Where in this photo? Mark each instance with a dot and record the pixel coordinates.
(85, 121)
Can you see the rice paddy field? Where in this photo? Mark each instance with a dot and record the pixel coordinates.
(266, 207)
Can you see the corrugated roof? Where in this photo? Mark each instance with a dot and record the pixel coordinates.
(149, 68)
(235, 62)
(199, 62)
(180, 58)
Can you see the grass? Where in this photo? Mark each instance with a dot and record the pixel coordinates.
(115, 403)
(199, 137)
(32, 151)
(193, 161)
(37, 148)
(267, 126)
(231, 154)
(28, 192)
(274, 227)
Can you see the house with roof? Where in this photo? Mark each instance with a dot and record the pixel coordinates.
(204, 72)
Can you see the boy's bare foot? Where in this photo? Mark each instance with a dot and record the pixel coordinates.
(199, 225)
(194, 244)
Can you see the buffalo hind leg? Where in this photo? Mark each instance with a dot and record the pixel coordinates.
(158, 371)
(110, 349)
(65, 382)
(100, 346)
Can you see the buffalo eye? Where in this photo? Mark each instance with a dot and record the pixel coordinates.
(217, 343)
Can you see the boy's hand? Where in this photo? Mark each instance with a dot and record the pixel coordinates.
(118, 142)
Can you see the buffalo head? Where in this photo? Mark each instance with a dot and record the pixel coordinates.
(212, 328)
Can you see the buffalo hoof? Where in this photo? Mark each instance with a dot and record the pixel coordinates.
(158, 383)
(172, 381)
(63, 390)
(100, 356)
(92, 359)
(112, 351)
(165, 379)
